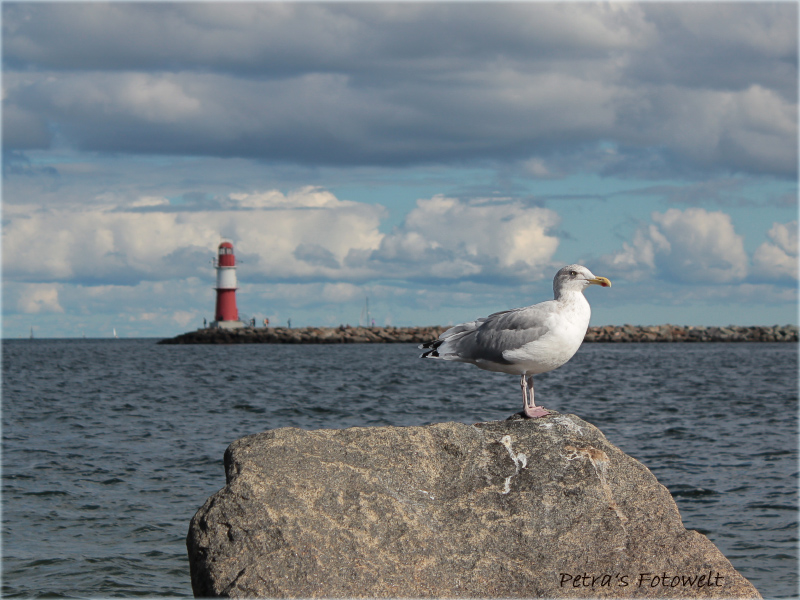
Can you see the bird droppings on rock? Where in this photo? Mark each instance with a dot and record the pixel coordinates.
(505, 509)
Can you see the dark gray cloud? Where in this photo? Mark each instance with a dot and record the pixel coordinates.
(722, 46)
(668, 87)
(281, 39)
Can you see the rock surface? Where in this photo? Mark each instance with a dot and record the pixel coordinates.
(418, 335)
(519, 508)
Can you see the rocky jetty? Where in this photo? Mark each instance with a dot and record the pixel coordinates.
(309, 335)
(544, 508)
(699, 333)
(418, 335)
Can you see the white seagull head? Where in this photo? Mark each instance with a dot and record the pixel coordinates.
(576, 278)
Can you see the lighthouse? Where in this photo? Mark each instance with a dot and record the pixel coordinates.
(226, 314)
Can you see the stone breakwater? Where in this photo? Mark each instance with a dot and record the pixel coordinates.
(418, 335)
(678, 333)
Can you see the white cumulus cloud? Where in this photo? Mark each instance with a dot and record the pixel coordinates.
(777, 259)
(39, 298)
(690, 246)
(452, 239)
(305, 234)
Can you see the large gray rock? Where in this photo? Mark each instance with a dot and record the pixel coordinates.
(521, 508)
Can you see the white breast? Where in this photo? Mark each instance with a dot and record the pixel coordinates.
(566, 329)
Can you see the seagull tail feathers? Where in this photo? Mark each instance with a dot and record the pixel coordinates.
(431, 349)
(448, 339)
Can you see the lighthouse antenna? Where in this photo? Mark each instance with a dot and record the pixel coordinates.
(365, 319)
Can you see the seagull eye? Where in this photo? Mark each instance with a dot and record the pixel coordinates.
(573, 273)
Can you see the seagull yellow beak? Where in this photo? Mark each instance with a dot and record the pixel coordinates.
(601, 281)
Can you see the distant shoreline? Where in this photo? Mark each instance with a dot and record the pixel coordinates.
(387, 335)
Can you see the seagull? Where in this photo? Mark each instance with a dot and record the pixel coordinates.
(525, 341)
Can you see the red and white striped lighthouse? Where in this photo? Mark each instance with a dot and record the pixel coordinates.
(226, 314)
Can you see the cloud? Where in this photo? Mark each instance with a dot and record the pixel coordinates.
(316, 255)
(705, 45)
(776, 260)
(749, 130)
(183, 317)
(305, 197)
(285, 38)
(703, 89)
(689, 246)
(24, 129)
(305, 235)
(637, 260)
(449, 239)
(38, 298)
(148, 308)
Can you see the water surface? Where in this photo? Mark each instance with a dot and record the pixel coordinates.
(110, 446)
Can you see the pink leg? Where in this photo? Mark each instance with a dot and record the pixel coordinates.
(531, 410)
(524, 385)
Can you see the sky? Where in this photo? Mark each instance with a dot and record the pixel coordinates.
(442, 160)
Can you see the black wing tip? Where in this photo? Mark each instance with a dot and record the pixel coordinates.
(431, 348)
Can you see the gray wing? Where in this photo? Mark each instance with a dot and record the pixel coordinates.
(486, 339)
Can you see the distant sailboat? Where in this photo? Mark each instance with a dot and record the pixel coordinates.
(115, 333)
(31, 332)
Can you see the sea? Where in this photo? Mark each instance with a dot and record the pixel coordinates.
(110, 446)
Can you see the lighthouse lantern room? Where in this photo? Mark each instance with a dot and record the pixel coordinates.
(226, 314)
